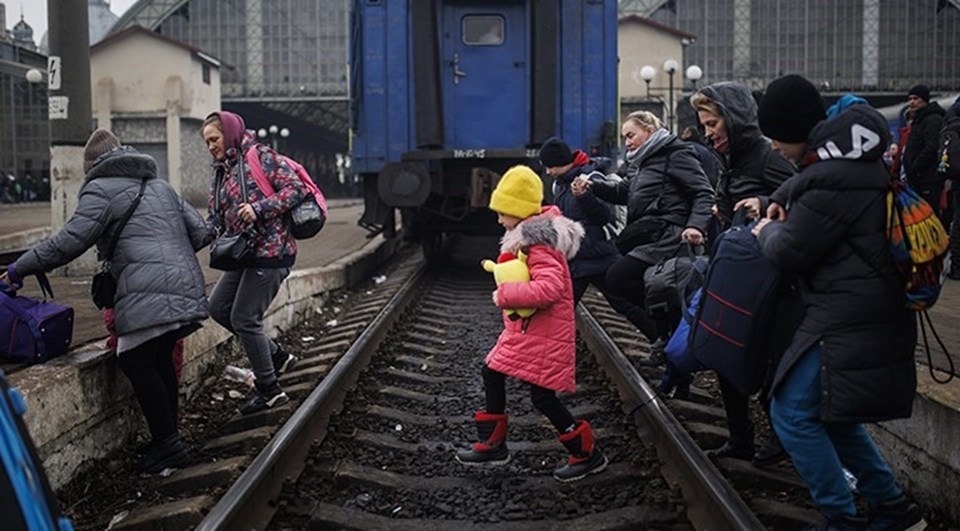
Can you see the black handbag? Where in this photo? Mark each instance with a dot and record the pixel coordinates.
(103, 289)
(640, 232)
(665, 283)
(231, 252)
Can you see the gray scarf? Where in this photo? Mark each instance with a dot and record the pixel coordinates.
(657, 139)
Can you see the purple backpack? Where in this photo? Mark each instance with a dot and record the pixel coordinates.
(31, 330)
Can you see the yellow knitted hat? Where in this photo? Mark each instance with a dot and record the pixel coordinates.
(518, 194)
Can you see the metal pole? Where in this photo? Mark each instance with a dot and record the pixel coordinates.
(671, 103)
(69, 72)
(68, 75)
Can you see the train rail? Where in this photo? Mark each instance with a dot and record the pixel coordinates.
(382, 400)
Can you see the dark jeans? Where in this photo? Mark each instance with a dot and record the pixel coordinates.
(238, 303)
(150, 370)
(635, 314)
(820, 449)
(545, 400)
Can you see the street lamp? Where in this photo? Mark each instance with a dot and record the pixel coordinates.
(273, 131)
(694, 74)
(670, 66)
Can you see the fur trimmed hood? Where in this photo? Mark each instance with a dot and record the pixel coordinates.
(549, 228)
(124, 161)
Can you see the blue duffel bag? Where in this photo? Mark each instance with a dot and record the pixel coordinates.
(737, 311)
(33, 330)
(26, 501)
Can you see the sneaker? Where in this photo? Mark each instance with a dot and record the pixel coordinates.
(283, 361)
(570, 472)
(499, 455)
(896, 515)
(259, 402)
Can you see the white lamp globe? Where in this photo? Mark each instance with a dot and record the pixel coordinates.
(694, 73)
(262, 133)
(647, 73)
(34, 76)
(284, 133)
(670, 66)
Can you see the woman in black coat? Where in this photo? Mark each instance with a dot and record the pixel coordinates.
(752, 171)
(667, 196)
(852, 358)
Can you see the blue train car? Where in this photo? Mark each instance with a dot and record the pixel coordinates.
(446, 95)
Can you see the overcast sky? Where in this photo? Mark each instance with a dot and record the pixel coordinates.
(35, 13)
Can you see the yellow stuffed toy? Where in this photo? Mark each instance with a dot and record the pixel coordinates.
(509, 268)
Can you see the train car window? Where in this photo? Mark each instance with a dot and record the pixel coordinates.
(483, 30)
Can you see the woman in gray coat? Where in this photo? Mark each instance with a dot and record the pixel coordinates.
(160, 288)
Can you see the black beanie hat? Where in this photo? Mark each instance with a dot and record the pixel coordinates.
(555, 152)
(920, 91)
(790, 108)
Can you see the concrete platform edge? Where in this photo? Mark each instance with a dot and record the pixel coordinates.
(921, 450)
(80, 407)
(24, 239)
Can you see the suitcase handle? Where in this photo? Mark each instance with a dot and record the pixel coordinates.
(45, 289)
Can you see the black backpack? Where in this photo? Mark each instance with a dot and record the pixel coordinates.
(732, 330)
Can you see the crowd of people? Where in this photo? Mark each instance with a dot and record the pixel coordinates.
(785, 161)
(23, 189)
(816, 194)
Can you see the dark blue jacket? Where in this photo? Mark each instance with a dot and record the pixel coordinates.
(597, 252)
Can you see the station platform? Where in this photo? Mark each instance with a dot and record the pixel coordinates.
(81, 408)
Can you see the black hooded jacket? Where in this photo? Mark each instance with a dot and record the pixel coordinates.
(920, 154)
(752, 168)
(834, 240)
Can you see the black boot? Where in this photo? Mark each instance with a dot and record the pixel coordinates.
(738, 446)
(841, 523)
(898, 514)
(492, 448)
(264, 397)
(169, 452)
(585, 457)
(770, 452)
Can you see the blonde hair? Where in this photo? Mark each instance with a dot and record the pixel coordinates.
(644, 119)
(702, 102)
(212, 119)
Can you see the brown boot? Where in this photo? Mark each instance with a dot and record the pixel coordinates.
(492, 448)
(585, 457)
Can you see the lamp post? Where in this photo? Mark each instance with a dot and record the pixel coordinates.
(274, 131)
(670, 66)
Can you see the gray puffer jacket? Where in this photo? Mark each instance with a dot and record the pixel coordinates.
(159, 280)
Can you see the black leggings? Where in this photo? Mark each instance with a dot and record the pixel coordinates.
(150, 369)
(625, 277)
(545, 400)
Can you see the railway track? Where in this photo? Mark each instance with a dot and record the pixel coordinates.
(381, 401)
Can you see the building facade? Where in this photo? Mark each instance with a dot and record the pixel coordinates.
(153, 92)
(24, 124)
(873, 47)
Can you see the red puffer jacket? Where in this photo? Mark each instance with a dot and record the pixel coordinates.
(540, 349)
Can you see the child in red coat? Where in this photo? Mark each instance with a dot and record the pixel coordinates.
(539, 349)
